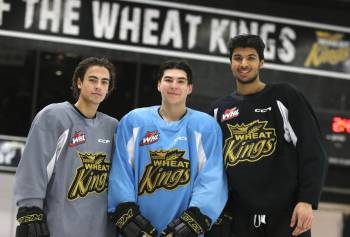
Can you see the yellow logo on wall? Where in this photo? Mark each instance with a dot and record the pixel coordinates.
(329, 48)
(249, 142)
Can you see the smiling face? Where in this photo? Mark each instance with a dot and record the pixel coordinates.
(245, 65)
(174, 87)
(94, 86)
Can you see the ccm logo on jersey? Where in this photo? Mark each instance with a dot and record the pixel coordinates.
(77, 139)
(149, 138)
(229, 114)
(103, 141)
(262, 110)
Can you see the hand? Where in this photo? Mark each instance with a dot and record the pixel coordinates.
(130, 223)
(32, 223)
(302, 218)
(191, 223)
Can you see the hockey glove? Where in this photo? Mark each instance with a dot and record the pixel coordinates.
(222, 226)
(191, 223)
(32, 223)
(130, 223)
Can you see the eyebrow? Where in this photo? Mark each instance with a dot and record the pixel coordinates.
(181, 78)
(238, 54)
(95, 77)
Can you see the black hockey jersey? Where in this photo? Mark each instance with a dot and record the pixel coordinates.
(273, 150)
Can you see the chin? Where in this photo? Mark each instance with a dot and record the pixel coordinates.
(247, 80)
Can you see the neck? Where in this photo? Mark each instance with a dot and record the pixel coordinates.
(250, 88)
(88, 110)
(172, 113)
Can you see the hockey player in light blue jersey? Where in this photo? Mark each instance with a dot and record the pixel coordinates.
(167, 177)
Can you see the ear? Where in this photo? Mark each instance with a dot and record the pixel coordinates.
(79, 82)
(158, 85)
(190, 87)
(261, 64)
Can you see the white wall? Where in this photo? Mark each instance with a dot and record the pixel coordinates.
(7, 206)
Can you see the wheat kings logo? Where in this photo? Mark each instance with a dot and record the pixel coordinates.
(249, 142)
(92, 176)
(168, 169)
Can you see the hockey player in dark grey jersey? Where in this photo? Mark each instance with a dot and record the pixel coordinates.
(273, 151)
(62, 177)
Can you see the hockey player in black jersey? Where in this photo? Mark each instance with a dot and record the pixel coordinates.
(273, 151)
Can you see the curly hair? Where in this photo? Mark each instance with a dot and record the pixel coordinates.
(247, 41)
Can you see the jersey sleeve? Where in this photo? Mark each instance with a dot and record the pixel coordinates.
(33, 172)
(312, 157)
(121, 179)
(210, 186)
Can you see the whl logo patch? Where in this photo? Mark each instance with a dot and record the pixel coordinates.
(229, 114)
(149, 138)
(77, 139)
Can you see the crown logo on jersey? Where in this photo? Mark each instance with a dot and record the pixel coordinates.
(230, 114)
(168, 169)
(91, 176)
(172, 154)
(249, 142)
(150, 137)
(77, 139)
(92, 158)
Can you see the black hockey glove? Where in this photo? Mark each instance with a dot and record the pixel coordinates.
(222, 226)
(191, 223)
(130, 223)
(32, 223)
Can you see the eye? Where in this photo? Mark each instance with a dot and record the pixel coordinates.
(168, 79)
(92, 79)
(105, 82)
(237, 58)
(252, 58)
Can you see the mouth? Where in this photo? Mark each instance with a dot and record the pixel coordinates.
(173, 93)
(244, 72)
(97, 94)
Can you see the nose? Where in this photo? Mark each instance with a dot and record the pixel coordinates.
(244, 62)
(174, 84)
(98, 85)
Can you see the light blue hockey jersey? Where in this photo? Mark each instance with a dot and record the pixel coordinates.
(167, 167)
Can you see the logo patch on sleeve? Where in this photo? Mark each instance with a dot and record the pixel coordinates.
(77, 139)
(230, 114)
(149, 138)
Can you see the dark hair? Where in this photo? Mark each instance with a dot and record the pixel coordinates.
(247, 41)
(84, 65)
(175, 64)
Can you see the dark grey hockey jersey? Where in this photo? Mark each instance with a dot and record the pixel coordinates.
(64, 170)
(273, 150)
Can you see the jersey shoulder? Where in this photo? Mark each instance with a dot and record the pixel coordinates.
(140, 116)
(200, 120)
(53, 112)
(222, 101)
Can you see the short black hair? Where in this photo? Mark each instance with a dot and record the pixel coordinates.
(176, 64)
(84, 65)
(247, 41)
